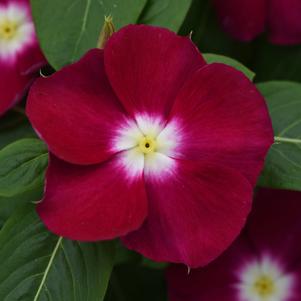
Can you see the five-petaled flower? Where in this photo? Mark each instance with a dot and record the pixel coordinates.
(20, 56)
(150, 143)
(263, 264)
(246, 19)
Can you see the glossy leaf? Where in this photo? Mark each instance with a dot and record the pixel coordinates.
(274, 62)
(23, 165)
(283, 163)
(67, 29)
(39, 266)
(165, 13)
(9, 204)
(215, 58)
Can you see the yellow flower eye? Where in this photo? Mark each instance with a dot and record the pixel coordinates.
(7, 30)
(264, 286)
(147, 144)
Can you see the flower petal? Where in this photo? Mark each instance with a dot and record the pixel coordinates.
(30, 60)
(12, 85)
(222, 117)
(273, 230)
(213, 282)
(20, 58)
(242, 19)
(91, 203)
(284, 21)
(147, 66)
(76, 112)
(275, 224)
(195, 212)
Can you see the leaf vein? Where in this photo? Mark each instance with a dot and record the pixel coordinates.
(47, 269)
(83, 28)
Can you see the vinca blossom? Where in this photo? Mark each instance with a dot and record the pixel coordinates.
(246, 19)
(20, 56)
(263, 264)
(150, 144)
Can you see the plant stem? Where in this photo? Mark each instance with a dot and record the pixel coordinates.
(278, 139)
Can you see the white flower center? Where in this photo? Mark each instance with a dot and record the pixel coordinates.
(16, 30)
(264, 280)
(148, 145)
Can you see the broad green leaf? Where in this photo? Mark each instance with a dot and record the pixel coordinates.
(165, 13)
(39, 266)
(124, 255)
(9, 204)
(14, 125)
(215, 58)
(23, 165)
(67, 29)
(274, 62)
(283, 163)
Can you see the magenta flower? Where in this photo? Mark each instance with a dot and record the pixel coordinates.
(246, 19)
(20, 56)
(262, 265)
(151, 144)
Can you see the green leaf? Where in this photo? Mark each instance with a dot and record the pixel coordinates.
(283, 163)
(13, 126)
(23, 165)
(165, 13)
(152, 264)
(9, 204)
(277, 63)
(38, 266)
(124, 255)
(67, 29)
(215, 58)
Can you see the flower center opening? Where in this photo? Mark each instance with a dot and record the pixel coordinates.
(8, 30)
(264, 280)
(264, 286)
(147, 144)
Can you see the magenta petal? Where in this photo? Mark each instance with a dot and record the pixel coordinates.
(31, 60)
(273, 230)
(91, 203)
(284, 21)
(13, 85)
(147, 66)
(76, 112)
(223, 118)
(242, 19)
(20, 68)
(215, 282)
(194, 215)
(275, 224)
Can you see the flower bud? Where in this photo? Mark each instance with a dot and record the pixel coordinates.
(107, 30)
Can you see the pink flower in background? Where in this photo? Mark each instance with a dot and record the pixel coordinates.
(150, 143)
(246, 19)
(264, 263)
(20, 56)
